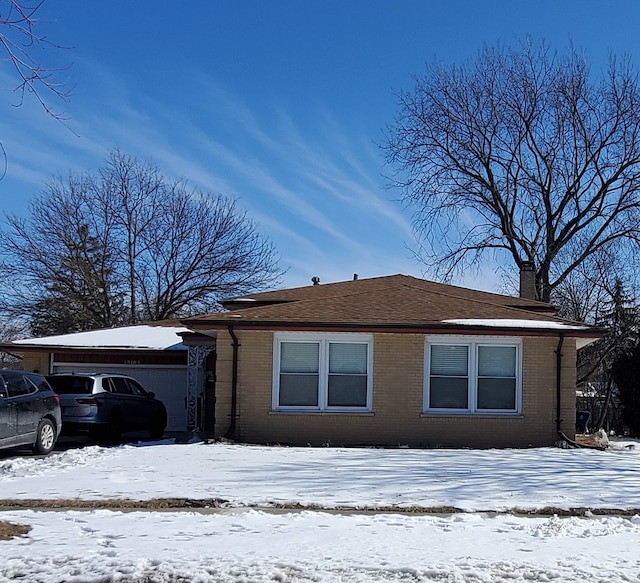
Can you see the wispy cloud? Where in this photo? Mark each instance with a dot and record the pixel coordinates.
(313, 185)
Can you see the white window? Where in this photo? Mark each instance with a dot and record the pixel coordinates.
(473, 376)
(322, 372)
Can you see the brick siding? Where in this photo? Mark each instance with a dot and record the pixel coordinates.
(396, 418)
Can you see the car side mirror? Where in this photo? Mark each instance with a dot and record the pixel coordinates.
(151, 394)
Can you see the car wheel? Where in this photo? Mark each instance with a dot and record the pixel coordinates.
(45, 438)
(158, 425)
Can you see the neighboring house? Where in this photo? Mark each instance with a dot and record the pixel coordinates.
(392, 361)
(153, 354)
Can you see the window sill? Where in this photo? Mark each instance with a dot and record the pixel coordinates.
(321, 413)
(474, 415)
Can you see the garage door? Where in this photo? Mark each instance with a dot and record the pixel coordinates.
(169, 383)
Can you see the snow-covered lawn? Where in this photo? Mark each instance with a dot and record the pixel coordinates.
(264, 543)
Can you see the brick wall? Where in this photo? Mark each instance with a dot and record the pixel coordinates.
(397, 418)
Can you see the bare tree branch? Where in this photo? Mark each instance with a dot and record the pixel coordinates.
(520, 150)
(125, 245)
(19, 37)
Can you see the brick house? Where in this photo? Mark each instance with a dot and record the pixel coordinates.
(392, 361)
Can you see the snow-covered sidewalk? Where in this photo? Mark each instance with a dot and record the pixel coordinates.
(248, 545)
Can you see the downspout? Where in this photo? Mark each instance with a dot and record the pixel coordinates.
(561, 433)
(234, 385)
(559, 383)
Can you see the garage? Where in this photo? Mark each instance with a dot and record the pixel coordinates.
(154, 354)
(169, 383)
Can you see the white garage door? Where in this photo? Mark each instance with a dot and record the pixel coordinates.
(169, 383)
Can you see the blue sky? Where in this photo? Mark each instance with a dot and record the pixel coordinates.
(280, 103)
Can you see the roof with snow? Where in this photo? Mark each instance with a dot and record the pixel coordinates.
(141, 337)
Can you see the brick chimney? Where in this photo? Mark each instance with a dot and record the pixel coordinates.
(528, 280)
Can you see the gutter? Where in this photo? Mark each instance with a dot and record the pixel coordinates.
(409, 328)
(234, 385)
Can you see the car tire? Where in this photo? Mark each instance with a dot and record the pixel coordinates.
(158, 425)
(45, 437)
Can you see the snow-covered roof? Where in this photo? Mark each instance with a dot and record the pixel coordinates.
(509, 323)
(526, 324)
(142, 337)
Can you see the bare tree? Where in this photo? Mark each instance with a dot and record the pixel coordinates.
(520, 152)
(11, 330)
(201, 248)
(131, 192)
(57, 264)
(127, 244)
(19, 37)
(585, 295)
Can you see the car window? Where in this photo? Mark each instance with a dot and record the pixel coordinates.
(107, 385)
(121, 386)
(19, 385)
(71, 385)
(136, 388)
(3, 388)
(39, 381)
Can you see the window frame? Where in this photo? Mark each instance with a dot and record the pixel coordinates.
(473, 343)
(324, 340)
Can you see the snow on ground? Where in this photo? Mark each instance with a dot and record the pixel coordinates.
(466, 479)
(308, 546)
(258, 545)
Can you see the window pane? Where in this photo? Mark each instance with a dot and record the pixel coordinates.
(497, 393)
(496, 361)
(299, 357)
(298, 390)
(18, 386)
(136, 389)
(347, 358)
(448, 393)
(347, 391)
(69, 385)
(121, 386)
(449, 360)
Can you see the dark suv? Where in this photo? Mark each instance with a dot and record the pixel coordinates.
(29, 411)
(107, 405)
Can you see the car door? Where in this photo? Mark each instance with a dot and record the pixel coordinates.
(28, 406)
(8, 414)
(144, 404)
(132, 402)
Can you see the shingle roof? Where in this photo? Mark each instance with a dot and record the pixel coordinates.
(392, 302)
(382, 283)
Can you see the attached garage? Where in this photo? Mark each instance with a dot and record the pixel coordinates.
(168, 382)
(153, 354)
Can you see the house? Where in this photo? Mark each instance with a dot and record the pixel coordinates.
(154, 354)
(392, 361)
